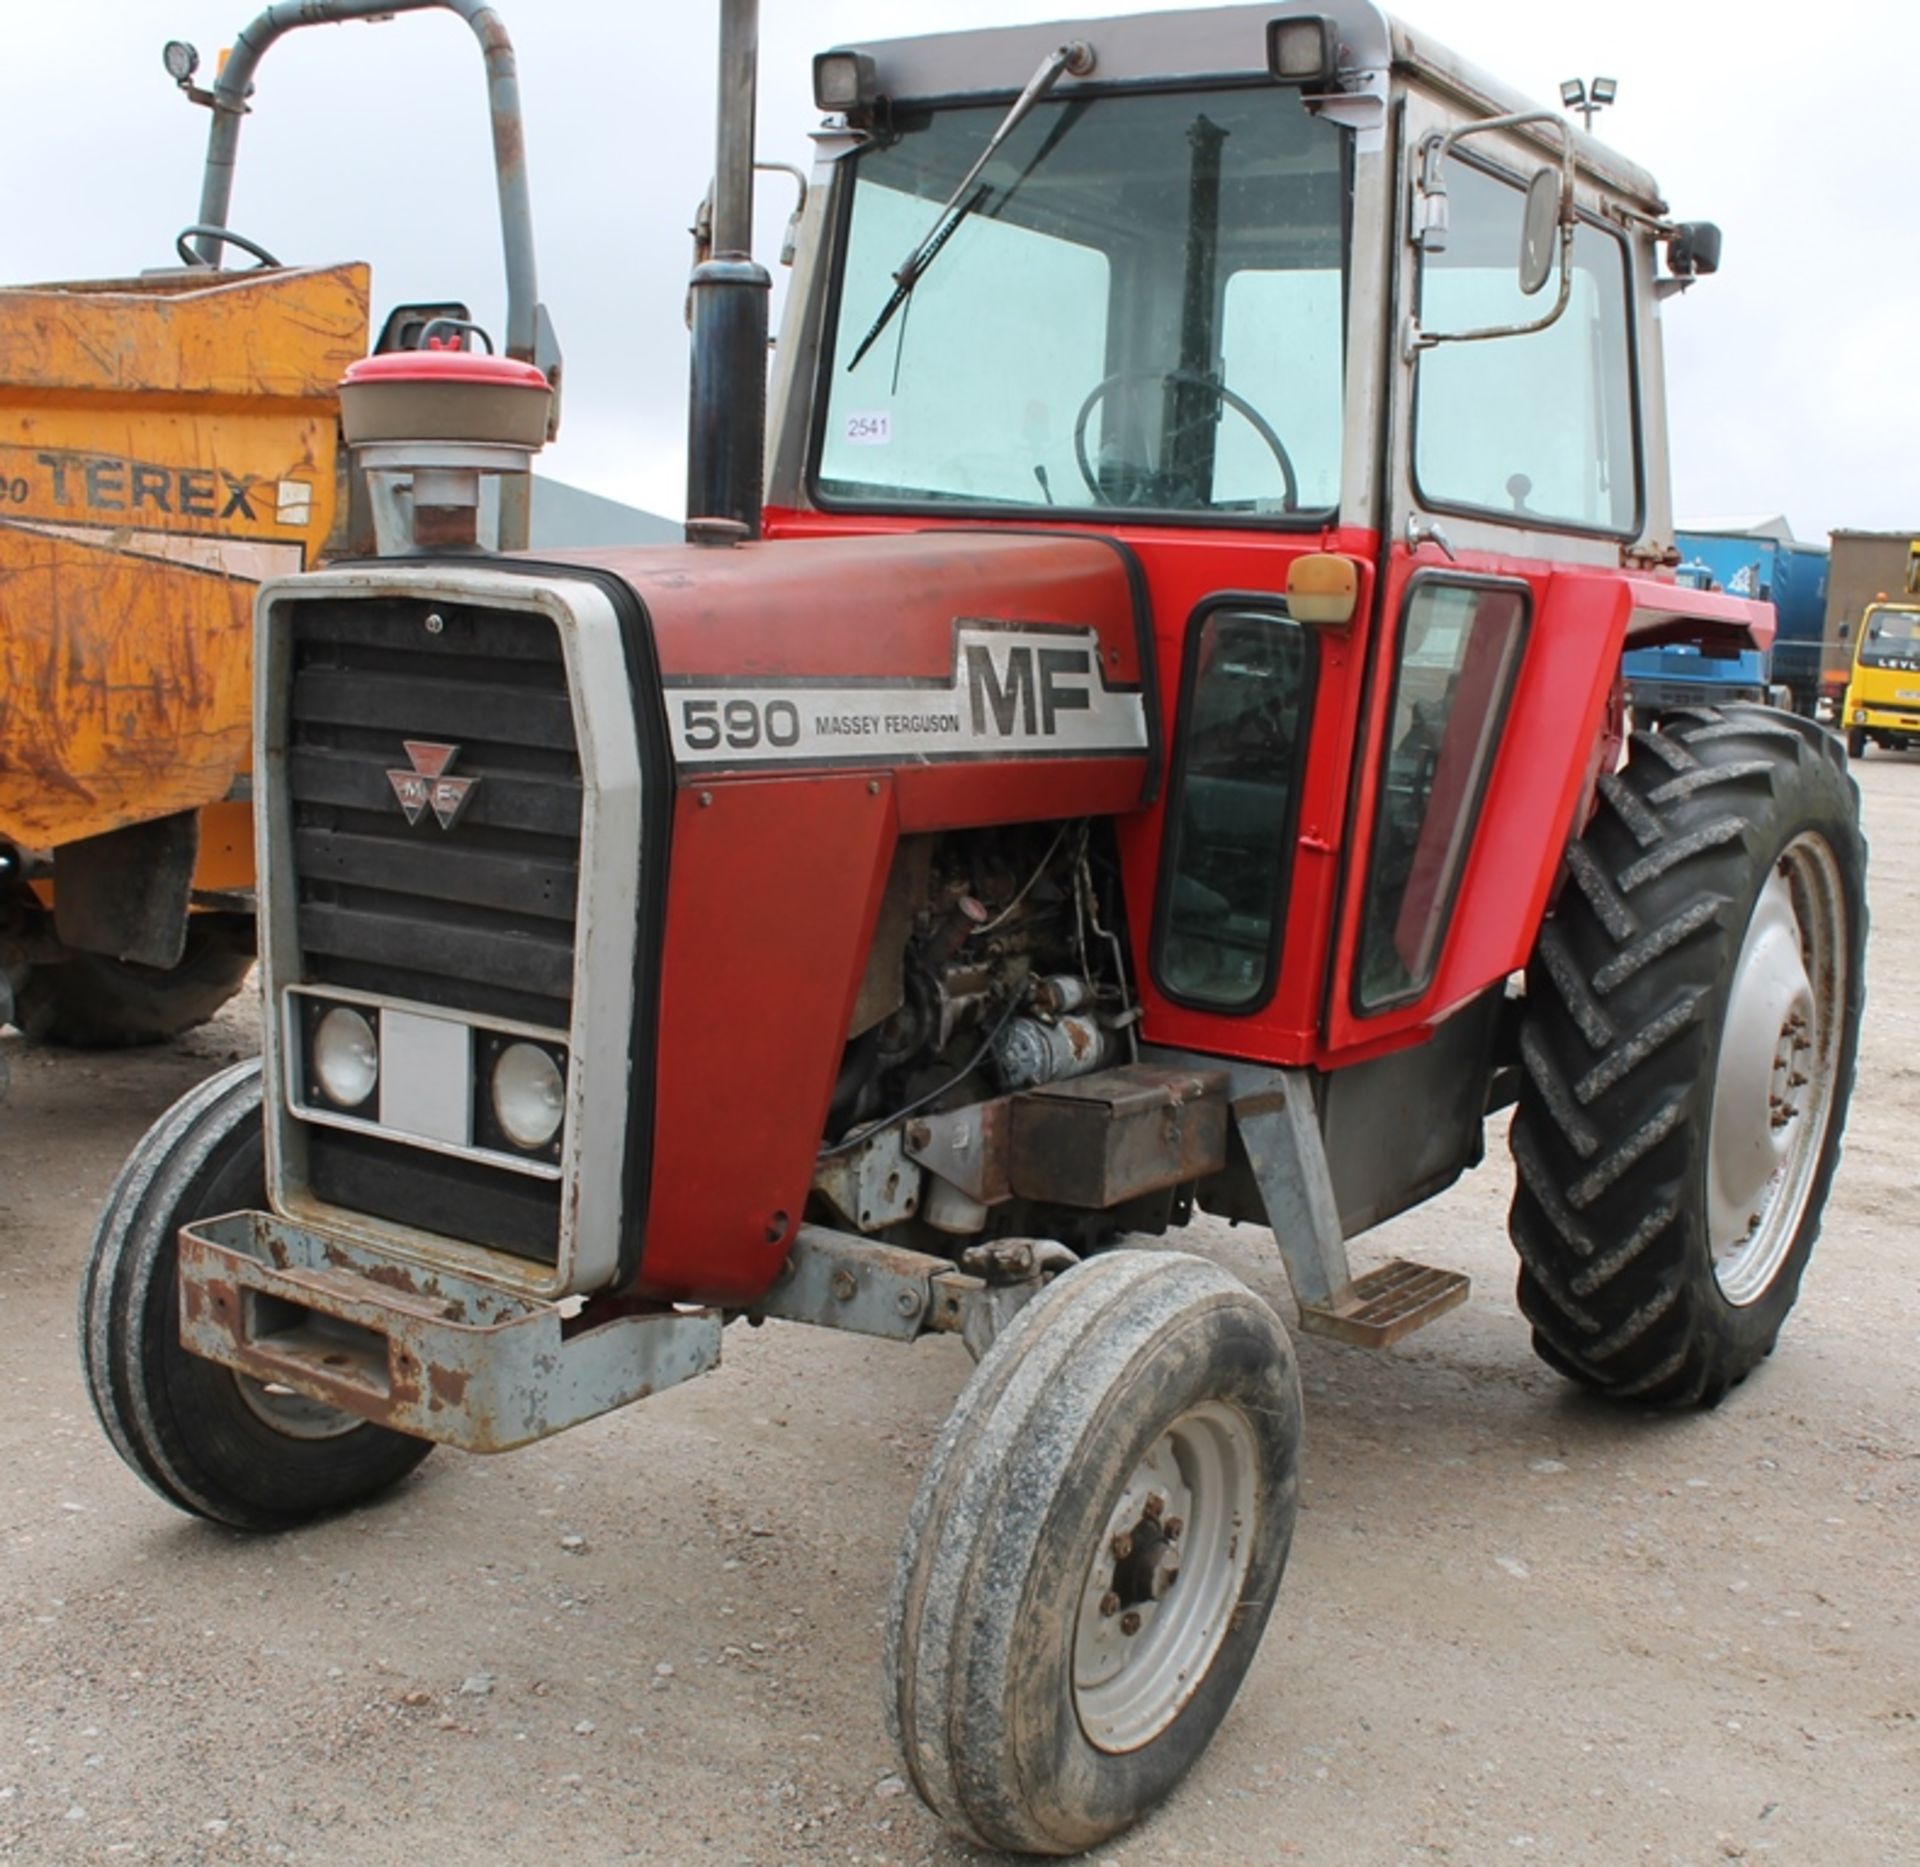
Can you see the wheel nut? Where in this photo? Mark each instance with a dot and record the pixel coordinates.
(1173, 1526)
(1109, 1604)
(1129, 1622)
(1122, 1546)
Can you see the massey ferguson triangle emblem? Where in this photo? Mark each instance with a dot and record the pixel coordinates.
(427, 786)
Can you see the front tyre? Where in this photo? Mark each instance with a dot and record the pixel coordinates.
(1856, 742)
(1693, 1012)
(213, 1442)
(1093, 1552)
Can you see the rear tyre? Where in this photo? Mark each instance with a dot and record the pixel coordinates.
(1093, 1552)
(1693, 1010)
(207, 1439)
(97, 1003)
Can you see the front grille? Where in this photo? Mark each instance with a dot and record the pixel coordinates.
(477, 917)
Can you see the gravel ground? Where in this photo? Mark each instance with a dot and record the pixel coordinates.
(1517, 1626)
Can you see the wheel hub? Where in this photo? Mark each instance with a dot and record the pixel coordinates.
(1164, 1578)
(294, 1414)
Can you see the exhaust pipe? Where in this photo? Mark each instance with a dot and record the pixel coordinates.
(727, 408)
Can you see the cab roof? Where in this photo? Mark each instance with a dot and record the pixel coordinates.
(1214, 44)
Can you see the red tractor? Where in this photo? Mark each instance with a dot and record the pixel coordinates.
(1168, 698)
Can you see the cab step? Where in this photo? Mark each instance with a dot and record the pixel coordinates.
(1383, 1305)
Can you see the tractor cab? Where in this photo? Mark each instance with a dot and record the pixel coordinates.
(1285, 303)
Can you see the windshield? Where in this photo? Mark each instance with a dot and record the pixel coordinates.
(1891, 639)
(1140, 306)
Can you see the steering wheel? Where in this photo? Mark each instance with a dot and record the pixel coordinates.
(1218, 390)
(188, 257)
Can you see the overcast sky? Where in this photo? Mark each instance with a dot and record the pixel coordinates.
(1791, 375)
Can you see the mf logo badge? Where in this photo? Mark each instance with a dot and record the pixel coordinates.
(428, 787)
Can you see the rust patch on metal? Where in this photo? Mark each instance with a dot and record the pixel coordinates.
(1262, 1102)
(393, 1343)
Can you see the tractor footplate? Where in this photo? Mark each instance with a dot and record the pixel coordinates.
(423, 1350)
(1391, 1301)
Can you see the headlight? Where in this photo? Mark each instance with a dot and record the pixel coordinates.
(1859, 716)
(529, 1095)
(346, 1057)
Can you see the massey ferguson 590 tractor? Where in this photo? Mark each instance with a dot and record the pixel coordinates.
(1170, 692)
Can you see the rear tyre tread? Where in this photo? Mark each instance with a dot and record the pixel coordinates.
(1626, 995)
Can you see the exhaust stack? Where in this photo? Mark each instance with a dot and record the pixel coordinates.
(727, 409)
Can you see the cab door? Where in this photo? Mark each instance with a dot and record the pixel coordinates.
(1512, 482)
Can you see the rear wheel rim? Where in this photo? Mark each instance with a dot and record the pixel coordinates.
(1778, 1071)
(1165, 1578)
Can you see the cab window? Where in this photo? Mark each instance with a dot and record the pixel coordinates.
(1459, 651)
(1538, 430)
(1237, 778)
(1141, 304)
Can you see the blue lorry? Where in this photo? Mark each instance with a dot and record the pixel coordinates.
(1757, 559)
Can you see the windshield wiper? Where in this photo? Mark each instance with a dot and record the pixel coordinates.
(1074, 59)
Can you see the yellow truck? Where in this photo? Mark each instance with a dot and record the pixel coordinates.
(1883, 691)
(166, 443)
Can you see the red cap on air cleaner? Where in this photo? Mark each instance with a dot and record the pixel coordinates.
(445, 395)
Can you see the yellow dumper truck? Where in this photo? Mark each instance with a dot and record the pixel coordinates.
(166, 443)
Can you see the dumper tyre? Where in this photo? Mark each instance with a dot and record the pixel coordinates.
(211, 1441)
(95, 1002)
(1693, 1017)
(1042, 1696)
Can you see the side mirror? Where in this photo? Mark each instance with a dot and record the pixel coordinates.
(1540, 227)
(1546, 226)
(1693, 251)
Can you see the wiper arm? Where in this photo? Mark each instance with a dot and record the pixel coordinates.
(1074, 59)
(917, 262)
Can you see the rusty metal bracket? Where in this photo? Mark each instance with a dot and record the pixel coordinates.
(873, 1185)
(837, 1281)
(1280, 1130)
(427, 1352)
(968, 1146)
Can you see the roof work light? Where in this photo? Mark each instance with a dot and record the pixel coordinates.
(1303, 50)
(844, 80)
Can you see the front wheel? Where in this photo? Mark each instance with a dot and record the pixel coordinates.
(244, 1453)
(1856, 742)
(1094, 1551)
(1693, 1012)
